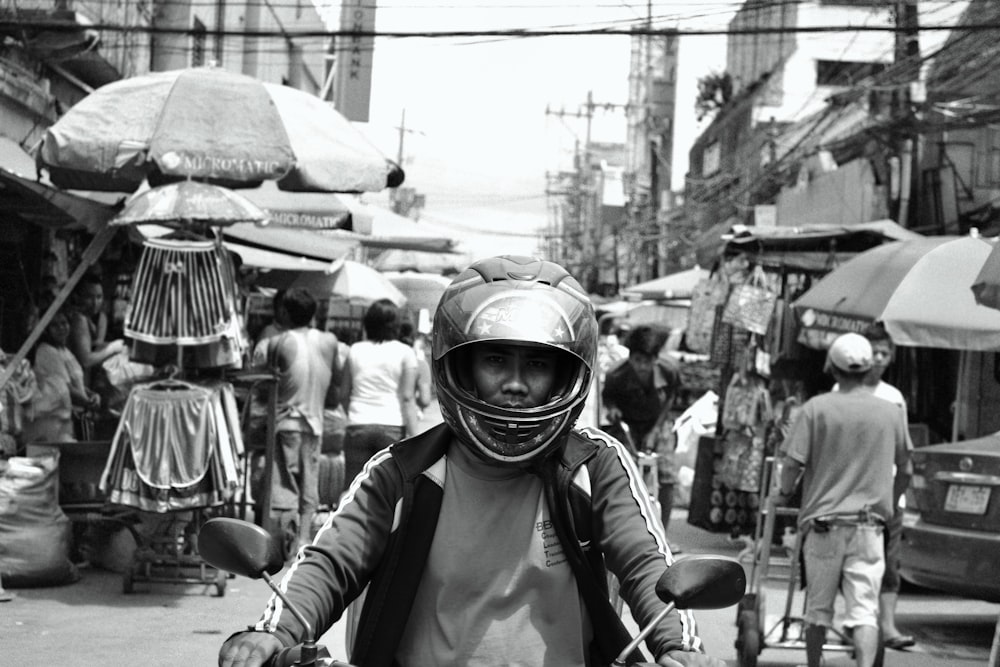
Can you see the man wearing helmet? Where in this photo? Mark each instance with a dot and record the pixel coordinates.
(484, 540)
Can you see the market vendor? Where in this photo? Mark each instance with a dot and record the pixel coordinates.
(88, 324)
(60, 387)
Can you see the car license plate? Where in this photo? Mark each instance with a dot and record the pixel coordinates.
(967, 499)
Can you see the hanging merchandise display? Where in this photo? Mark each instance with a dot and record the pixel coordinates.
(176, 447)
(753, 341)
(751, 304)
(727, 340)
(746, 414)
(184, 292)
(708, 294)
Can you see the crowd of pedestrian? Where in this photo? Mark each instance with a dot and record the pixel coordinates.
(848, 449)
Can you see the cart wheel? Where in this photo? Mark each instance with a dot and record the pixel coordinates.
(748, 640)
(747, 603)
(220, 584)
(128, 582)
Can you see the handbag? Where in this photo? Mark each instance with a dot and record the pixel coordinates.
(751, 304)
(745, 402)
(742, 461)
(707, 295)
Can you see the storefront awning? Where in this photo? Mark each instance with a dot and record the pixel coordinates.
(811, 248)
(38, 202)
(345, 218)
(675, 286)
(377, 227)
(297, 242)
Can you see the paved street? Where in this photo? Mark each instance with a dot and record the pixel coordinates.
(92, 623)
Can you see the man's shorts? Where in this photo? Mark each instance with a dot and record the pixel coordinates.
(849, 558)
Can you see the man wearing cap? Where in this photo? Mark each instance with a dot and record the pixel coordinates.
(843, 445)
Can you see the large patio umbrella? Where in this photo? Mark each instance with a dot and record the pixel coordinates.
(986, 287)
(919, 289)
(207, 123)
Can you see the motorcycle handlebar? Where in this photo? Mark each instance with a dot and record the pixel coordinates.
(291, 656)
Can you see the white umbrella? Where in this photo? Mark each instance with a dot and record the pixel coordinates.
(358, 283)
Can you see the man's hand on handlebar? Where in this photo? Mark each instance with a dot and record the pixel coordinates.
(689, 659)
(248, 649)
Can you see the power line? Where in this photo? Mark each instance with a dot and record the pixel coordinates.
(69, 26)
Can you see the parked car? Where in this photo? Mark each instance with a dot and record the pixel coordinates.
(951, 530)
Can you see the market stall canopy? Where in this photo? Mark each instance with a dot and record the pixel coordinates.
(298, 242)
(678, 285)
(420, 261)
(919, 289)
(37, 201)
(345, 217)
(812, 248)
(271, 257)
(670, 314)
(207, 123)
(381, 228)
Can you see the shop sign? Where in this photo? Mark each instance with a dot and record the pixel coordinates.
(836, 322)
(303, 220)
(355, 56)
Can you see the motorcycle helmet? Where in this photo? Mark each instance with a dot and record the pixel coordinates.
(519, 301)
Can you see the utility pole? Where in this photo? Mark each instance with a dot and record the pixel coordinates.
(907, 48)
(401, 204)
(584, 233)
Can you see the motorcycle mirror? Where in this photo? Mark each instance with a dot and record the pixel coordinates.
(239, 547)
(703, 582)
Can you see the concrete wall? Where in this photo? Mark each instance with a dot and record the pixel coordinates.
(844, 196)
(793, 93)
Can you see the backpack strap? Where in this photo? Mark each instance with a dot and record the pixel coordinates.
(572, 519)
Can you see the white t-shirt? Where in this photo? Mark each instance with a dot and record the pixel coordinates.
(497, 589)
(376, 370)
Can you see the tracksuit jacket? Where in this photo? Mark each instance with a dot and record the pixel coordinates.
(382, 530)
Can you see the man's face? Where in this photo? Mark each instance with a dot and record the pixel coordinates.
(881, 358)
(513, 375)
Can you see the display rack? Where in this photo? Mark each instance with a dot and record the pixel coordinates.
(177, 455)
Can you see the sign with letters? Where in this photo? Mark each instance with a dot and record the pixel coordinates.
(352, 81)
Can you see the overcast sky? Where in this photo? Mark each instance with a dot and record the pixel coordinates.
(481, 141)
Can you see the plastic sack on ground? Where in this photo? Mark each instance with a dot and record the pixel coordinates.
(35, 534)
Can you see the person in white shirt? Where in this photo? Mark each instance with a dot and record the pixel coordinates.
(378, 388)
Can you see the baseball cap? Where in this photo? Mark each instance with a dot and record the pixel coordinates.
(851, 353)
